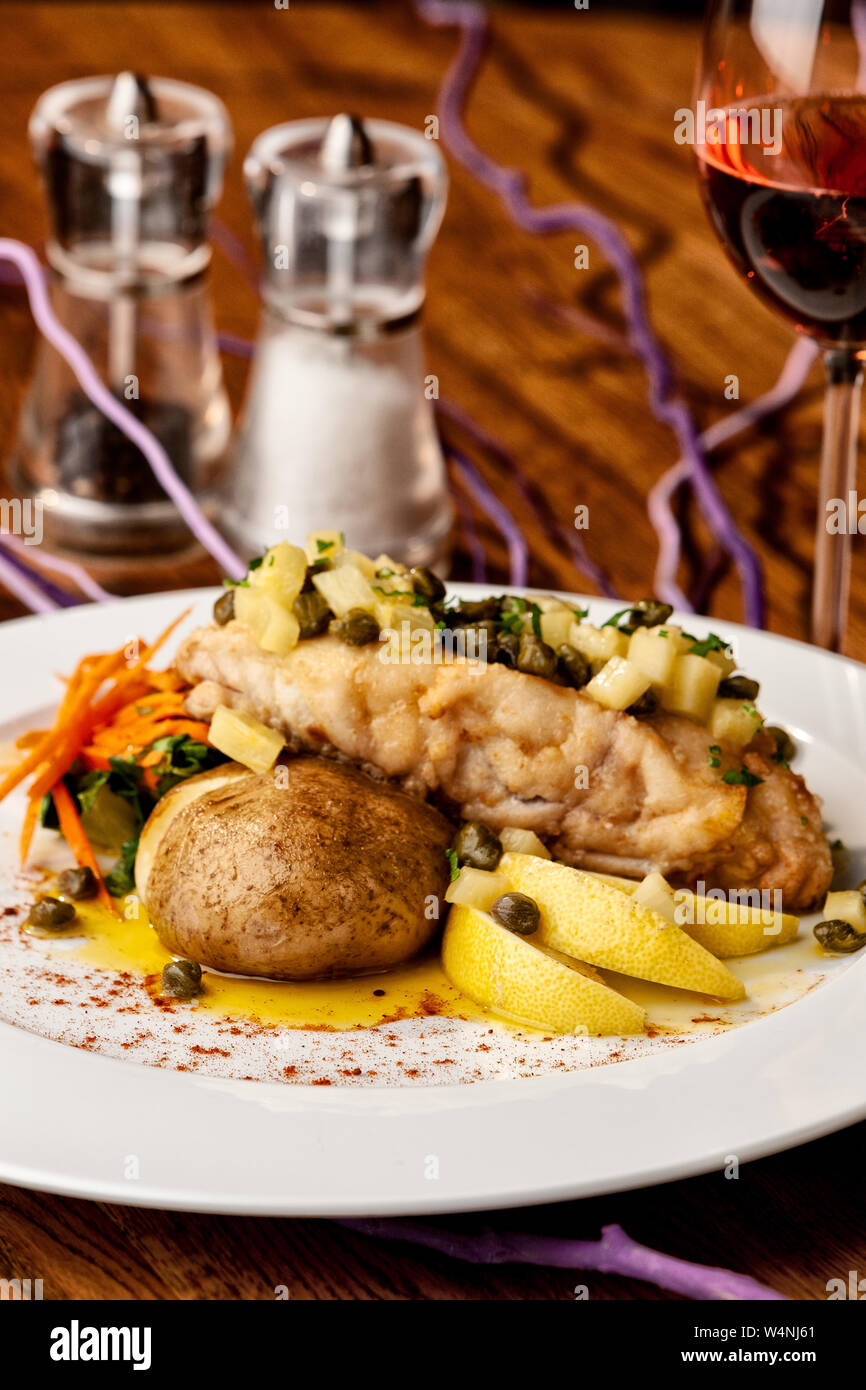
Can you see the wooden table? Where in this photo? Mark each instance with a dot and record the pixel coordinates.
(585, 103)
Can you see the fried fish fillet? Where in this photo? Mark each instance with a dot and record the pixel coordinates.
(605, 790)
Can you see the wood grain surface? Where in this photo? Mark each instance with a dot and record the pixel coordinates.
(584, 102)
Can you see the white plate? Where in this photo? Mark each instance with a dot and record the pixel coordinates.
(91, 1126)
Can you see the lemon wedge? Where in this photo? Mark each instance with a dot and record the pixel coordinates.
(725, 928)
(595, 922)
(524, 984)
(734, 929)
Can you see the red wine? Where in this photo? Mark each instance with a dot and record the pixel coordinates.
(794, 222)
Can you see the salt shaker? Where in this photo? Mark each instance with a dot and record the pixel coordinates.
(337, 430)
(132, 168)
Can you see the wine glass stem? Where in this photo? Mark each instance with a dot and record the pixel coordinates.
(838, 484)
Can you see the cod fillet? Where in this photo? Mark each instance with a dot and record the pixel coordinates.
(606, 791)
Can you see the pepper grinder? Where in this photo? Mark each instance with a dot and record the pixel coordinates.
(337, 430)
(132, 167)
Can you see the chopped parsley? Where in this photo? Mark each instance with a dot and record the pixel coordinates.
(244, 583)
(324, 545)
(713, 643)
(511, 615)
(614, 621)
(414, 600)
(453, 865)
(580, 613)
(536, 621)
(714, 755)
(121, 879)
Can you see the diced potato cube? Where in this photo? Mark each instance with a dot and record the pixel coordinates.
(846, 907)
(725, 663)
(654, 652)
(385, 562)
(360, 561)
(324, 545)
(244, 739)
(275, 628)
(598, 644)
(675, 636)
(281, 633)
(549, 603)
(656, 893)
(556, 625)
(618, 684)
(734, 721)
(281, 572)
(252, 609)
(399, 582)
(345, 588)
(523, 842)
(692, 687)
(476, 888)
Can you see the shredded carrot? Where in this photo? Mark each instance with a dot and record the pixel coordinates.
(31, 739)
(31, 816)
(81, 711)
(151, 759)
(96, 760)
(115, 699)
(73, 701)
(109, 708)
(73, 833)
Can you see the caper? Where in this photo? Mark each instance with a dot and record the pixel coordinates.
(484, 639)
(312, 613)
(477, 846)
(786, 748)
(427, 584)
(648, 703)
(51, 912)
(840, 936)
(573, 665)
(517, 912)
(469, 612)
(181, 979)
(77, 883)
(536, 658)
(508, 649)
(224, 608)
(739, 688)
(649, 612)
(357, 627)
(317, 567)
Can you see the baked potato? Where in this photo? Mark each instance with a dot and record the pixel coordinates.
(318, 873)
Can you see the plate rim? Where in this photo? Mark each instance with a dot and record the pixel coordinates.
(345, 1106)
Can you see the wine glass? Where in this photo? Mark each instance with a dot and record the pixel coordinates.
(781, 147)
